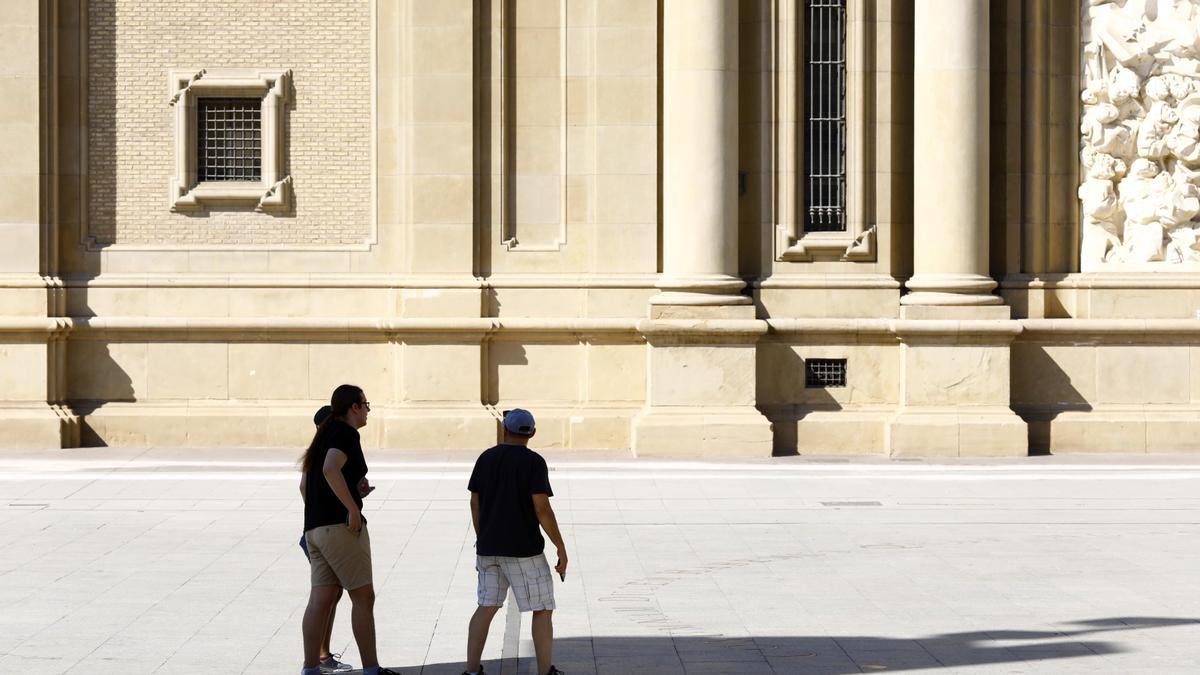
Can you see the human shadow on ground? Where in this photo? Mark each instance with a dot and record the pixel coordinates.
(817, 654)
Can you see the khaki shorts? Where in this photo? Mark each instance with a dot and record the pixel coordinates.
(339, 557)
(530, 579)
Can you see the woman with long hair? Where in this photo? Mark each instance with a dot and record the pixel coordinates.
(339, 547)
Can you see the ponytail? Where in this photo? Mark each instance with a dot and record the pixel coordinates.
(345, 396)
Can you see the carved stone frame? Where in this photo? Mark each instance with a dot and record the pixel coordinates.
(271, 194)
(792, 242)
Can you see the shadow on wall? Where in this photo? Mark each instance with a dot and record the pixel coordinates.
(1040, 391)
(824, 654)
(783, 398)
(501, 353)
(103, 375)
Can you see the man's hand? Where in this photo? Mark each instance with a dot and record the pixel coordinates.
(364, 487)
(561, 567)
(354, 522)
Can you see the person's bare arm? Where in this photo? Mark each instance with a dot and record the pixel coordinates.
(303, 487)
(475, 512)
(549, 523)
(332, 468)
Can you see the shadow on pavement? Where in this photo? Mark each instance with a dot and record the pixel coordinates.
(823, 655)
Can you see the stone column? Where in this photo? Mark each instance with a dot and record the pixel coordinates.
(701, 335)
(700, 149)
(950, 147)
(32, 355)
(955, 335)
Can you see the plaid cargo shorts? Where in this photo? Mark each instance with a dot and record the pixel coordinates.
(530, 579)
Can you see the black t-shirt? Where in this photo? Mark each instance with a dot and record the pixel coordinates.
(506, 477)
(321, 505)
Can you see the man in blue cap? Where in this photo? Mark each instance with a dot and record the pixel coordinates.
(510, 500)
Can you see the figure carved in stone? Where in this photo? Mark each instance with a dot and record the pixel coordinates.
(1140, 134)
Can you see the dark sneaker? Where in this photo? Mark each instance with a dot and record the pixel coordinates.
(481, 671)
(331, 664)
(554, 671)
(388, 671)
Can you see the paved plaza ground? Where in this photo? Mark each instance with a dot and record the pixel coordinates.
(133, 561)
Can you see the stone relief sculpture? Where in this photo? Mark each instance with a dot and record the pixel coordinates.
(1140, 134)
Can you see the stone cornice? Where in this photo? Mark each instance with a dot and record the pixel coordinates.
(189, 280)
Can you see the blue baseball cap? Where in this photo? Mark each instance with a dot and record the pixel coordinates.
(519, 421)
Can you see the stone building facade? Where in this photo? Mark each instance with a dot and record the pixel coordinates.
(685, 227)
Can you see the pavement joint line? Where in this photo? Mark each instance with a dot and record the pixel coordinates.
(683, 466)
(1140, 474)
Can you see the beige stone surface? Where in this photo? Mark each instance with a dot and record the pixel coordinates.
(107, 371)
(1101, 431)
(538, 203)
(1123, 374)
(438, 371)
(22, 375)
(264, 370)
(536, 372)
(841, 432)
(719, 432)
(994, 433)
(701, 375)
(1053, 375)
(370, 365)
(616, 372)
(955, 375)
(187, 370)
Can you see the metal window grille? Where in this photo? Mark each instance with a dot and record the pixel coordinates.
(825, 132)
(822, 373)
(230, 138)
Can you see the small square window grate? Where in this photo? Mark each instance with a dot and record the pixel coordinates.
(230, 138)
(822, 373)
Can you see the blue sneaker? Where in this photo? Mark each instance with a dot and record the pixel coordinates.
(330, 664)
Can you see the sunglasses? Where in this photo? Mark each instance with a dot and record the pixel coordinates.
(365, 404)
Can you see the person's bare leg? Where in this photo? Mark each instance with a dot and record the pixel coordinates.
(326, 649)
(362, 620)
(543, 639)
(481, 620)
(320, 600)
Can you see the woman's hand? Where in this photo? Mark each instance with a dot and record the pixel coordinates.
(364, 487)
(354, 521)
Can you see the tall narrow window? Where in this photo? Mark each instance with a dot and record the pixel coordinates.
(825, 129)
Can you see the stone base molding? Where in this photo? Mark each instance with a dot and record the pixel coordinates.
(855, 430)
(957, 432)
(1115, 429)
(37, 425)
(939, 382)
(699, 432)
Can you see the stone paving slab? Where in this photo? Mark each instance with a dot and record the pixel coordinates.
(173, 561)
